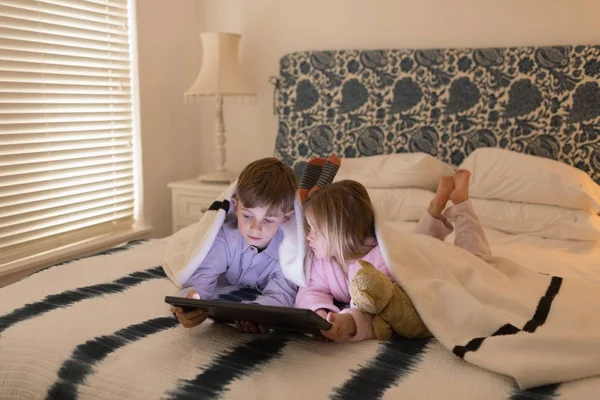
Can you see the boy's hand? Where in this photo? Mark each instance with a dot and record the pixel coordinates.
(193, 318)
(250, 327)
(342, 326)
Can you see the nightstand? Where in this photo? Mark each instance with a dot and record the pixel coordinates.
(190, 199)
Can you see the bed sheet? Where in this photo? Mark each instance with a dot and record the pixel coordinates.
(97, 328)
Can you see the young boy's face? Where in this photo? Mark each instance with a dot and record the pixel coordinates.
(257, 225)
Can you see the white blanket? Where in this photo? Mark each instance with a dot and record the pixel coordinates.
(499, 315)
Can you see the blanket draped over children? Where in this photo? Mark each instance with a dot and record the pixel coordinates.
(536, 327)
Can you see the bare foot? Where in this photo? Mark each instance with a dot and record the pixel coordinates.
(442, 195)
(461, 186)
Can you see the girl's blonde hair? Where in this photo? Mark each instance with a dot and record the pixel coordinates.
(343, 215)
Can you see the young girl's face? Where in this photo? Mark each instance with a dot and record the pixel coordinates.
(316, 240)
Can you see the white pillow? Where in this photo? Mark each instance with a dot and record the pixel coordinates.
(400, 204)
(401, 170)
(507, 175)
(538, 220)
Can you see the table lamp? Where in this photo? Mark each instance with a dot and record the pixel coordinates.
(220, 75)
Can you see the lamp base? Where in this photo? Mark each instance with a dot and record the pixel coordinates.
(223, 176)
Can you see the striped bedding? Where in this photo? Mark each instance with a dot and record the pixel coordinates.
(98, 328)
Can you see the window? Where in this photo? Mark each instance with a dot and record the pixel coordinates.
(66, 126)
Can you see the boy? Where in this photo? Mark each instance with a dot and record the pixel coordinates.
(246, 249)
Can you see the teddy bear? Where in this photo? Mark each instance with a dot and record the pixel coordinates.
(373, 292)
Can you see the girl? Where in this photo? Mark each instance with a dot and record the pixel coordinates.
(341, 226)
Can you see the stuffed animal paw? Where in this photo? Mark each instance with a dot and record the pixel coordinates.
(373, 292)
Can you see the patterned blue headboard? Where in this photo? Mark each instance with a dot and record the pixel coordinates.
(543, 101)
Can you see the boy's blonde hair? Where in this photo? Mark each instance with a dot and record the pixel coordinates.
(343, 214)
(267, 182)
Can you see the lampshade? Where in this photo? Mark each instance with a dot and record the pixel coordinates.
(221, 73)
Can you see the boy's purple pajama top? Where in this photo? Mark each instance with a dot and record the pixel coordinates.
(243, 265)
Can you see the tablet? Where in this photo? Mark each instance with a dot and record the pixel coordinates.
(278, 318)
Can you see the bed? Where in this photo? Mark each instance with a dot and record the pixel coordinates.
(98, 328)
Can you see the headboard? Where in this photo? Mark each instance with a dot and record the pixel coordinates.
(543, 101)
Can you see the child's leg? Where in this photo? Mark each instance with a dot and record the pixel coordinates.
(433, 222)
(469, 233)
(330, 168)
(310, 176)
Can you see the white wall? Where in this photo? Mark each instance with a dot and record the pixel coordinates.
(172, 144)
(271, 28)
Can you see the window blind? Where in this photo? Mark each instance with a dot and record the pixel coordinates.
(66, 154)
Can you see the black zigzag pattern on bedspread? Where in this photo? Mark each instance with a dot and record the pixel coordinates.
(70, 297)
(76, 369)
(235, 364)
(546, 392)
(538, 319)
(394, 360)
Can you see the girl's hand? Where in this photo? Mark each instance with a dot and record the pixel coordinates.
(321, 338)
(322, 312)
(342, 326)
(192, 318)
(250, 327)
